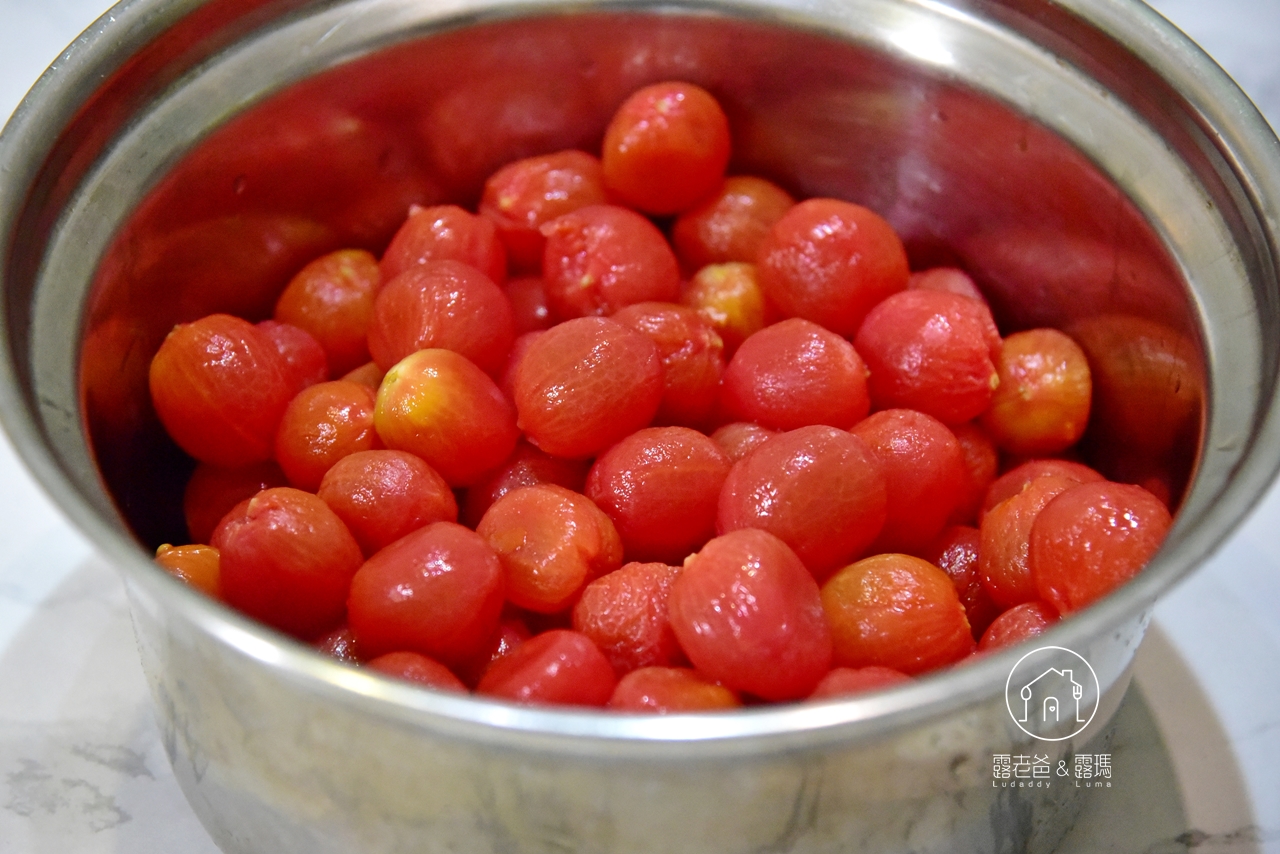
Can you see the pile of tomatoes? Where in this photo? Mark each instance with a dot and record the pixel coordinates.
(636, 434)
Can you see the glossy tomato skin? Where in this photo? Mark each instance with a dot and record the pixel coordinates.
(197, 565)
(530, 308)
(332, 298)
(667, 690)
(287, 560)
(923, 471)
(1017, 624)
(731, 224)
(367, 374)
(417, 668)
(956, 553)
(527, 466)
(981, 465)
(1017, 478)
(601, 258)
(551, 542)
(896, 611)
(340, 644)
(323, 424)
(666, 148)
(436, 404)
(949, 279)
(212, 491)
(739, 438)
(442, 304)
(512, 631)
(526, 194)
(445, 232)
(382, 495)
(437, 591)
(1005, 544)
(1042, 403)
(794, 374)
(220, 388)
(661, 487)
(930, 351)
(585, 384)
(820, 490)
(748, 614)
(305, 358)
(1095, 537)
(830, 262)
(692, 359)
(558, 667)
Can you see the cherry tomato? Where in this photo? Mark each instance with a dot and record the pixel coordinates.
(794, 374)
(439, 406)
(526, 194)
(287, 560)
(585, 384)
(321, 425)
(436, 591)
(820, 490)
(1019, 623)
(831, 261)
(332, 298)
(846, 681)
(896, 611)
(625, 614)
(197, 565)
(445, 232)
(212, 491)
(666, 148)
(383, 495)
(1041, 405)
(661, 487)
(748, 614)
(931, 351)
(1095, 537)
(600, 258)
(692, 359)
(551, 542)
(220, 387)
(417, 668)
(557, 667)
(731, 224)
(667, 690)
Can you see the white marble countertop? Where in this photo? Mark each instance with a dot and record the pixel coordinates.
(82, 769)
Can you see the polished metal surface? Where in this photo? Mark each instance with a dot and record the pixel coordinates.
(1082, 159)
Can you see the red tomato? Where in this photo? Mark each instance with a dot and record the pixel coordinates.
(557, 667)
(220, 387)
(896, 611)
(831, 261)
(748, 614)
(1095, 537)
(437, 591)
(287, 560)
(666, 148)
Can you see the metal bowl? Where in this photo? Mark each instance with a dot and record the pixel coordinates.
(1091, 167)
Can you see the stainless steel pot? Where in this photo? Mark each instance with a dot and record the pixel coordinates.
(1088, 164)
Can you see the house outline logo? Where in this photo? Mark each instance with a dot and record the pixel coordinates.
(1051, 689)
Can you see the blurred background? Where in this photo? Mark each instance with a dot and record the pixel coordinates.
(81, 764)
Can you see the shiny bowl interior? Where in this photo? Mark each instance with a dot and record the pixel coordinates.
(1087, 164)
